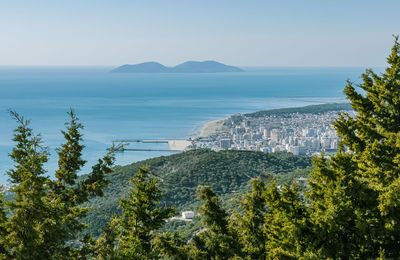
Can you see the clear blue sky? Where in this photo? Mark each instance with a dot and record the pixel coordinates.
(236, 32)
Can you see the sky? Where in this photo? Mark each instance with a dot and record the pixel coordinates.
(235, 32)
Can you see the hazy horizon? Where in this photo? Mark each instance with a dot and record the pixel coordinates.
(240, 66)
(254, 33)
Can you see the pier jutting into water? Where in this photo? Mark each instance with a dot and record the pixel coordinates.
(175, 145)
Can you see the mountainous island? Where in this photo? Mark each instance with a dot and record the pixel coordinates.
(186, 67)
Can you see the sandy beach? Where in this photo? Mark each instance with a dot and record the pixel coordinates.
(212, 127)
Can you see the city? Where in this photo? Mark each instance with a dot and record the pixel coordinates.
(298, 133)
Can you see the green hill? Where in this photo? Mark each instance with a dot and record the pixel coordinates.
(227, 172)
(312, 109)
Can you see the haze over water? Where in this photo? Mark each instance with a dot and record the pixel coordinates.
(143, 106)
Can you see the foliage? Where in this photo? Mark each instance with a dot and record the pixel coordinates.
(171, 246)
(249, 225)
(287, 225)
(350, 210)
(133, 232)
(24, 236)
(44, 213)
(355, 194)
(352, 207)
(215, 241)
(272, 223)
(226, 172)
(312, 109)
(3, 231)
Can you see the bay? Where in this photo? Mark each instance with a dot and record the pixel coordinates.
(146, 106)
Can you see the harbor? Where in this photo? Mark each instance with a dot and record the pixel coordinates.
(174, 145)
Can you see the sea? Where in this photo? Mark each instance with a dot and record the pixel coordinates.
(148, 106)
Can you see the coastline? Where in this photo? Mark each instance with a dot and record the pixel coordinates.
(211, 127)
(216, 126)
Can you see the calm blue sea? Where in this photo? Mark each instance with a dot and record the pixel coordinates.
(114, 106)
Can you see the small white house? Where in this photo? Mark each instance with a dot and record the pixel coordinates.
(187, 214)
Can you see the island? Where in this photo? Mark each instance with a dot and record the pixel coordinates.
(186, 67)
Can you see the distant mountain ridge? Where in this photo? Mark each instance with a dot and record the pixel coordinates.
(186, 67)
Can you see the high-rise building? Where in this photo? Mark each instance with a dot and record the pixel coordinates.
(225, 143)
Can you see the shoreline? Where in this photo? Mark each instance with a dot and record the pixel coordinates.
(216, 126)
(209, 128)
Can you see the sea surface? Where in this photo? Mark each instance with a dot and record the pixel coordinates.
(146, 106)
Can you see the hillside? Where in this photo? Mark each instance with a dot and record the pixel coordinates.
(312, 109)
(146, 67)
(204, 67)
(227, 172)
(186, 67)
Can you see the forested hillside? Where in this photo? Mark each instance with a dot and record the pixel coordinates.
(312, 109)
(226, 172)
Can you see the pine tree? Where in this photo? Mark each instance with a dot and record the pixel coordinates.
(66, 196)
(216, 240)
(25, 231)
(249, 225)
(287, 227)
(355, 195)
(171, 246)
(45, 214)
(337, 199)
(3, 231)
(131, 235)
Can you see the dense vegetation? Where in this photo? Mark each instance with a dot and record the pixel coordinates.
(312, 109)
(226, 172)
(44, 214)
(351, 209)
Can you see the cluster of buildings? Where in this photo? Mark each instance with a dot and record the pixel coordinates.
(186, 216)
(298, 133)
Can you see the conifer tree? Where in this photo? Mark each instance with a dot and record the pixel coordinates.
(66, 195)
(287, 227)
(45, 214)
(337, 196)
(25, 231)
(355, 195)
(3, 231)
(216, 240)
(131, 235)
(249, 225)
(171, 246)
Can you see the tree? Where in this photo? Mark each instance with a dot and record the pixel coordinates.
(45, 214)
(66, 196)
(216, 240)
(287, 227)
(131, 235)
(25, 231)
(171, 246)
(3, 231)
(337, 199)
(355, 195)
(249, 225)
